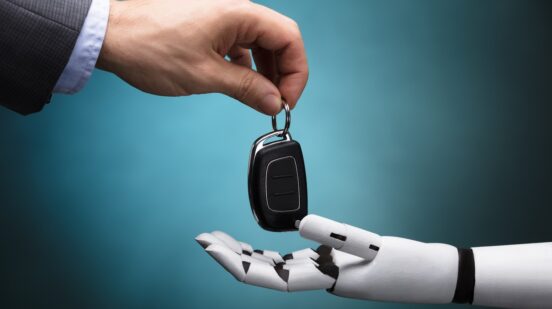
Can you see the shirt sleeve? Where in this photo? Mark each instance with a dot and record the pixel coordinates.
(87, 49)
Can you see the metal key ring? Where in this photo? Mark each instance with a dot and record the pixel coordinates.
(288, 119)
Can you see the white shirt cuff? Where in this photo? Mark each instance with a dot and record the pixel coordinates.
(87, 49)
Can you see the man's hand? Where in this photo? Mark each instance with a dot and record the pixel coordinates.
(178, 47)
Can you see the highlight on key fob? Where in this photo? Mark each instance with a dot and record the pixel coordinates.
(277, 180)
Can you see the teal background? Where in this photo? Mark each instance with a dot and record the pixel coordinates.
(423, 119)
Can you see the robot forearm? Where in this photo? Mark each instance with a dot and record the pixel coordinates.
(515, 276)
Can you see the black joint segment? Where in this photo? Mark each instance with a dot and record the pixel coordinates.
(246, 266)
(283, 273)
(465, 284)
(258, 251)
(288, 256)
(375, 248)
(324, 250)
(329, 269)
(331, 290)
(324, 259)
(325, 255)
(338, 236)
(279, 265)
(246, 252)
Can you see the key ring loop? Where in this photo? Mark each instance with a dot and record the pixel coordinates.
(288, 119)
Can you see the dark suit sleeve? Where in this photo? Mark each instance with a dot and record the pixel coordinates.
(37, 38)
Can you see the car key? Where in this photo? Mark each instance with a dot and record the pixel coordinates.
(277, 180)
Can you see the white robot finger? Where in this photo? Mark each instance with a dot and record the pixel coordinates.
(340, 236)
(233, 244)
(249, 259)
(306, 276)
(263, 258)
(228, 259)
(305, 253)
(246, 248)
(301, 262)
(206, 239)
(265, 275)
(275, 256)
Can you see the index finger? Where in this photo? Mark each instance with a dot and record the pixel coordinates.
(275, 32)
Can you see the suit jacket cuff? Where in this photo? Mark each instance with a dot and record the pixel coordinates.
(87, 49)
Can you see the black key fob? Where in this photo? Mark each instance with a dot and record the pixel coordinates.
(277, 182)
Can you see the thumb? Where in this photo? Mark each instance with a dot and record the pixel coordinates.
(249, 87)
(340, 236)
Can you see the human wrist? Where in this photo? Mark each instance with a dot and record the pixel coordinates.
(107, 59)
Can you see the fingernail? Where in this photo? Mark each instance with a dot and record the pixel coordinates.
(270, 104)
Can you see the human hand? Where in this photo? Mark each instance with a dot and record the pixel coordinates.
(178, 48)
(351, 263)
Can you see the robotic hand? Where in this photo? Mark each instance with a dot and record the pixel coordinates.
(352, 262)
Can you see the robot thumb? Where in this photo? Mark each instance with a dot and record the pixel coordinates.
(340, 236)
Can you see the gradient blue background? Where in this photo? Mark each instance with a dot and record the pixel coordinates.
(430, 120)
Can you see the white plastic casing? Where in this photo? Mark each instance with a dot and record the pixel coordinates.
(515, 276)
(403, 271)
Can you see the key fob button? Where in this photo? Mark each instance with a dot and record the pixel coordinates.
(282, 185)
